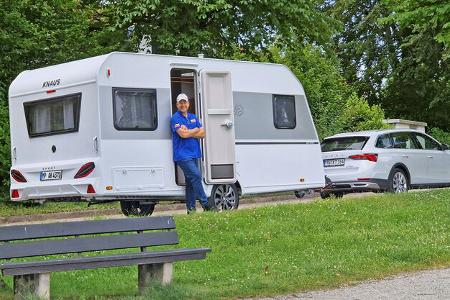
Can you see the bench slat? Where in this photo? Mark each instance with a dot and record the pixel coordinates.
(87, 244)
(24, 232)
(137, 258)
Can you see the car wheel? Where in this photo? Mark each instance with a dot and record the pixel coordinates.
(398, 182)
(324, 195)
(224, 197)
(135, 208)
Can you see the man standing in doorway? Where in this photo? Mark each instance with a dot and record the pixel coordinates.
(186, 132)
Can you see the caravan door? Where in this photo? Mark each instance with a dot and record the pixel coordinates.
(217, 115)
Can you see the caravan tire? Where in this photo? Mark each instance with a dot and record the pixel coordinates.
(324, 195)
(224, 197)
(135, 208)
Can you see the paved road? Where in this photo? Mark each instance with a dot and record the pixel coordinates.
(432, 284)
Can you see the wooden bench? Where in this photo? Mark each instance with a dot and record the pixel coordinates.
(33, 277)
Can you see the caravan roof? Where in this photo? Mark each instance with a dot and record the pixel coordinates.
(140, 69)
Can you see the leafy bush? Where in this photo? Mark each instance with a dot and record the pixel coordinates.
(5, 152)
(439, 134)
(359, 115)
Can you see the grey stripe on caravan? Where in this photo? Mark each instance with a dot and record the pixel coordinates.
(253, 116)
(254, 119)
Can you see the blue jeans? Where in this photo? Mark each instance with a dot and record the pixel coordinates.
(194, 187)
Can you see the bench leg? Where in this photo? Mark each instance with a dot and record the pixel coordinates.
(160, 273)
(37, 285)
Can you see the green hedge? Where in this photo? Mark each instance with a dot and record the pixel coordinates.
(439, 134)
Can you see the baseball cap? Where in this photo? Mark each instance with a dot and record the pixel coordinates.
(182, 96)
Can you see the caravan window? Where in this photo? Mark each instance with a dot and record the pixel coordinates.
(135, 109)
(53, 116)
(284, 116)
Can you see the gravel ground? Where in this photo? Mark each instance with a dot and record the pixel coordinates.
(433, 284)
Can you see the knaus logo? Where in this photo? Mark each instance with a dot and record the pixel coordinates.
(51, 83)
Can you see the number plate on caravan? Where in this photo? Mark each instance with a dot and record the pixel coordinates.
(334, 162)
(51, 175)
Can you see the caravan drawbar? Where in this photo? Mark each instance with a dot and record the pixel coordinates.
(98, 129)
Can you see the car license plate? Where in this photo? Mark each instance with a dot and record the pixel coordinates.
(337, 162)
(51, 175)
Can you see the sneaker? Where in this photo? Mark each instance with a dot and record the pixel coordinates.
(191, 211)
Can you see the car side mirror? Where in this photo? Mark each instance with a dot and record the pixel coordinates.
(444, 147)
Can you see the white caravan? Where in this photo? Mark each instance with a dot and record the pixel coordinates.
(98, 129)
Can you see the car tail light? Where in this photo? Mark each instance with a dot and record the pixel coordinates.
(90, 189)
(368, 156)
(18, 176)
(85, 170)
(15, 194)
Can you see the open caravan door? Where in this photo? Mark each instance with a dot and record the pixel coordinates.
(218, 119)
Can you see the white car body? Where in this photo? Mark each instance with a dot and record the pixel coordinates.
(368, 165)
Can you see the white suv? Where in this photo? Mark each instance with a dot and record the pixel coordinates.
(392, 160)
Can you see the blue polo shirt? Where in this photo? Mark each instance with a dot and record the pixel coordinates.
(184, 149)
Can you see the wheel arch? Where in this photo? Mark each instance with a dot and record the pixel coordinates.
(402, 167)
(238, 186)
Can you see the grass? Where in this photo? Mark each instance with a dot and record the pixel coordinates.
(289, 248)
(9, 208)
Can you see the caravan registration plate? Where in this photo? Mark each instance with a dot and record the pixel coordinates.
(51, 175)
(334, 162)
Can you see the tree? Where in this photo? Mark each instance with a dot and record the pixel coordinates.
(37, 33)
(368, 49)
(420, 85)
(217, 28)
(395, 53)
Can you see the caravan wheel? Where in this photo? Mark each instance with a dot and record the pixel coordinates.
(135, 208)
(224, 197)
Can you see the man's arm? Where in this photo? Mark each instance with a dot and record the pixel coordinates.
(185, 133)
(200, 134)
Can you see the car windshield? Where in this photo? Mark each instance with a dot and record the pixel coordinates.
(344, 143)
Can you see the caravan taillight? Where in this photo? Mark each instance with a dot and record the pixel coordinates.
(15, 194)
(18, 176)
(90, 189)
(85, 170)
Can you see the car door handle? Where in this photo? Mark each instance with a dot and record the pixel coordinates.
(429, 156)
(405, 156)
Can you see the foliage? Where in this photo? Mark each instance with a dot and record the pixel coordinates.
(217, 28)
(368, 49)
(38, 33)
(395, 53)
(439, 134)
(5, 150)
(420, 85)
(291, 248)
(358, 115)
(424, 17)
